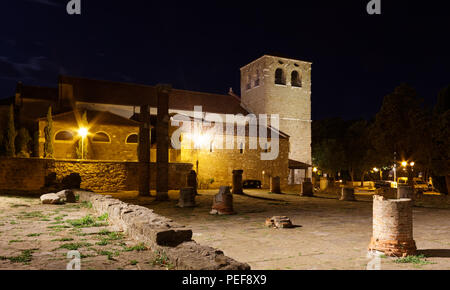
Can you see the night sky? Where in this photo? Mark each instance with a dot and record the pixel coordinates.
(357, 58)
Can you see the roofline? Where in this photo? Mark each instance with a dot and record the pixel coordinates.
(73, 111)
(268, 55)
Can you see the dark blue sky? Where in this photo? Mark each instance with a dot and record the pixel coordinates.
(357, 58)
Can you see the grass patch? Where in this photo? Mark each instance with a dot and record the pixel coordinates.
(84, 222)
(86, 204)
(32, 214)
(161, 259)
(139, 247)
(416, 260)
(74, 246)
(103, 242)
(109, 254)
(15, 241)
(34, 235)
(58, 227)
(62, 240)
(133, 262)
(103, 217)
(25, 257)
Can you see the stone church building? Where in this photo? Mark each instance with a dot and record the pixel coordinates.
(269, 85)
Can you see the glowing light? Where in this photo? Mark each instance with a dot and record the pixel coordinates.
(404, 163)
(315, 169)
(412, 164)
(375, 169)
(83, 132)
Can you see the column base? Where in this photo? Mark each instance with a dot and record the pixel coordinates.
(393, 248)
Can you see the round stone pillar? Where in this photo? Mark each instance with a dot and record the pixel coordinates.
(187, 197)
(347, 193)
(405, 191)
(307, 188)
(275, 184)
(237, 182)
(392, 227)
(223, 202)
(191, 180)
(323, 183)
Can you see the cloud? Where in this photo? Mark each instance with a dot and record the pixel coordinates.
(38, 68)
(47, 2)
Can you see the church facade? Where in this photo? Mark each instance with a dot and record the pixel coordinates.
(269, 85)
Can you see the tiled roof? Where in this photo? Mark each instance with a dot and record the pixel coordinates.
(99, 117)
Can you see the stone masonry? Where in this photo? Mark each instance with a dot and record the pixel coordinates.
(392, 227)
(161, 234)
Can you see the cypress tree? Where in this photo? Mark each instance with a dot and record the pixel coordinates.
(48, 131)
(10, 147)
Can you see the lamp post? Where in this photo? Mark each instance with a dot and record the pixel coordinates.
(83, 133)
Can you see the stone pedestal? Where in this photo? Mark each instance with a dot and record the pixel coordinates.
(237, 182)
(275, 184)
(187, 197)
(347, 193)
(307, 188)
(392, 227)
(279, 222)
(405, 191)
(191, 180)
(323, 183)
(223, 202)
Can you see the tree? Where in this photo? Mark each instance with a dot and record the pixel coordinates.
(440, 150)
(48, 132)
(401, 126)
(82, 148)
(23, 141)
(357, 147)
(10, 148)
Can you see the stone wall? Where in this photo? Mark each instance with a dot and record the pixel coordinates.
(161, 235)
(101, 176)
(218, 164)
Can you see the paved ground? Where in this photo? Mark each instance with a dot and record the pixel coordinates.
(330, 235)
(36, 236)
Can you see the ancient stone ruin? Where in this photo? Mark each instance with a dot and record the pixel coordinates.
(307, 188)
(187, 197)
(275, 184)
(405, 191)
(392, 227)
(223, 202)
(279, 222)
(60, 197)
(237, 182)
(347, 193)
(191, 180)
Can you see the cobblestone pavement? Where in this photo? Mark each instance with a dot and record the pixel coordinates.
(36, 236)
(330, 234)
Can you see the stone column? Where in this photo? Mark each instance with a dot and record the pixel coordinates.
(405, 191)
(347, 193)
(191, 180)
(392, 227)
(144, 151)
(237, 182)
(187, 197)
(275, 184)
(162, 142)
(223, 202)
(307, 188)
(323, 183)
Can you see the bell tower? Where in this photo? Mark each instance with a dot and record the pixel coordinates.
(277, 85)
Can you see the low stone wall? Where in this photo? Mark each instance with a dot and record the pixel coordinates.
(161, 234)
(28, 174)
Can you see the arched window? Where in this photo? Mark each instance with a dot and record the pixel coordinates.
(132, 139)
(279, 77)
(257, 78)
(64, 136)
(101, 137)
(241, 148)
(296, 80)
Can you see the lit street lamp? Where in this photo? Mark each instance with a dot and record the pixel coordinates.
(83, 133)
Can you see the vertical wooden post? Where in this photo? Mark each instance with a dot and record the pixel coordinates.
(162, 143)
(144, 151)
